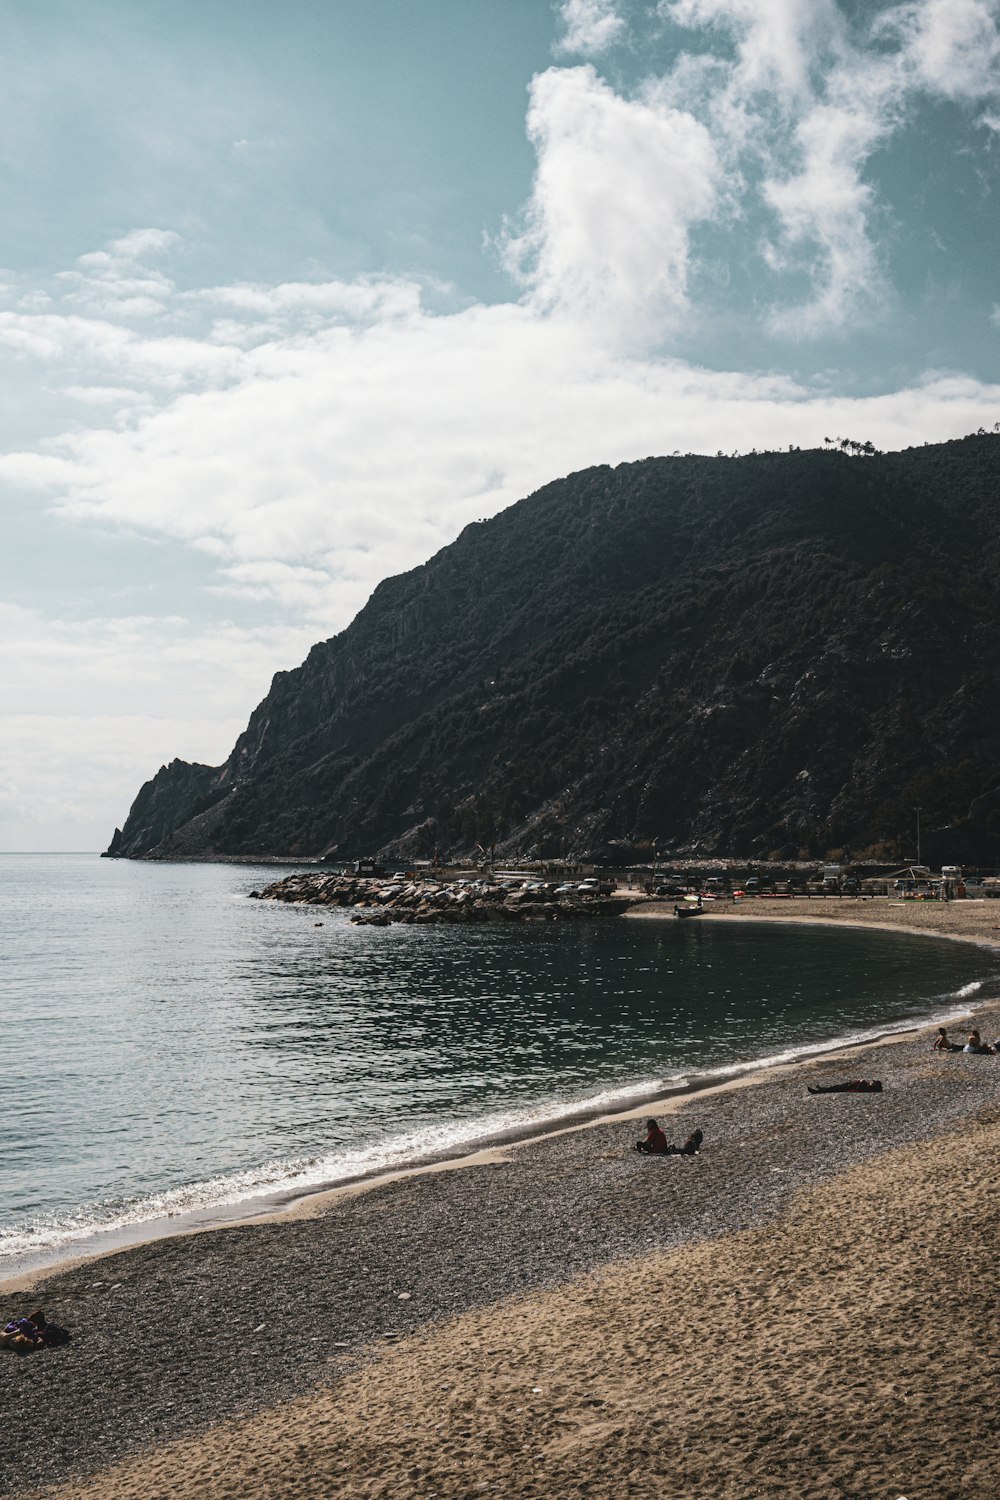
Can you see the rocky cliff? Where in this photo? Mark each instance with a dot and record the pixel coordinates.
(771, 653)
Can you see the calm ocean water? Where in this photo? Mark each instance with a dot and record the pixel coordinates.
(170, 1046)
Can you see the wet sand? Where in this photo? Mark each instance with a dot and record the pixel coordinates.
(806, 1309)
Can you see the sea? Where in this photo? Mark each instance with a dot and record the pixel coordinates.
(177, 1054)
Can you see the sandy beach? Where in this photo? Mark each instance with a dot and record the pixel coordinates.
(804, 1310)
(968, 921)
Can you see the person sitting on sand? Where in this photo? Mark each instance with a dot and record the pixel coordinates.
(655, 1143)
(855, 1086)
(942, 1043)
(691, 1146)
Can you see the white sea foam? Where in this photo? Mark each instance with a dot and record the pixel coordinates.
(276, 1184)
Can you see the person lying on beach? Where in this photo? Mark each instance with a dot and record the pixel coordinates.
(25, 1334)
(855, 1086)
(21, 1334)
(976, 1044)
(655, 1143)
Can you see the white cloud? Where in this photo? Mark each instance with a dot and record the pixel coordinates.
(140, 242)
(104, 395)
(342, 301)
(73, 342)
(304, 590)
(93, 706)
(149, 664)
(807, 95)
(779, 44)
(117, 282)
(63, 337)
(951, 47)
(334, 459)
(67, 778)
(823, 216)
(592, 26)
(799, 103)
(619, 184)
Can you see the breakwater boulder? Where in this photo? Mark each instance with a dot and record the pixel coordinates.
(377, 902)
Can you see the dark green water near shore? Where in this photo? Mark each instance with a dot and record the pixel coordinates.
(180, 1048)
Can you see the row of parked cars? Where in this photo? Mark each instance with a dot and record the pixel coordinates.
(754, 886)
(590, 887)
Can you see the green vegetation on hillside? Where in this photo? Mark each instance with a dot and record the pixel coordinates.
(780, 652)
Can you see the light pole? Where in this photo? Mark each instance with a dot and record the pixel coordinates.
(917, 811)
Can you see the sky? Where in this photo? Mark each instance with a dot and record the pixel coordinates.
(291, 293)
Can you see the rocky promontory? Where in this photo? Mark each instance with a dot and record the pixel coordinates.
(775, 656)
(377, 902)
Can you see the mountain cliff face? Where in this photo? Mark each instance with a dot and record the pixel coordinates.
(766, 654)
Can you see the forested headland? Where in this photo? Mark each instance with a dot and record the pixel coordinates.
(775, 654)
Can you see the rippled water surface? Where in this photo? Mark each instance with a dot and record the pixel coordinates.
(170, 1045)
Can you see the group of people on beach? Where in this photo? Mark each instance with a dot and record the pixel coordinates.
(974, 1044)
(655, 1143)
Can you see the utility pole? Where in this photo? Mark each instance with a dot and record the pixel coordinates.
(917, 811)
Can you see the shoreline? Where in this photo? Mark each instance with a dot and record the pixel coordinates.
(293, 1205)
(806, 1355)
(288, 1204)
(353, 1297)
(980, 919)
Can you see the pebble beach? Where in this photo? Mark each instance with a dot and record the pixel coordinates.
(805, 1309)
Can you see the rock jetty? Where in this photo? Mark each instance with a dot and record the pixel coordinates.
(380, 901)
